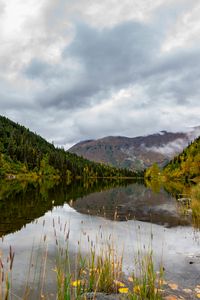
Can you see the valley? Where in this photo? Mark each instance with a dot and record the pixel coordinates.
(61, 214)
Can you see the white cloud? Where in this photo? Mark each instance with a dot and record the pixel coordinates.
(111, 12)
(16, 14)
(186, 30)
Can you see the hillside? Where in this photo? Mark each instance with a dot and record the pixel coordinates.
(22, 152)
(135, 153)
(187, 164)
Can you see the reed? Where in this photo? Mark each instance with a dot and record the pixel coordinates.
(195, 205)
(148, 283)
(86, 273)
(6, 267)
(101, 271)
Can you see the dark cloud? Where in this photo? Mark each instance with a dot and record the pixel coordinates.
(114, 58)
(178, 76)
(113, 55)
(109, 59)
(38, 69)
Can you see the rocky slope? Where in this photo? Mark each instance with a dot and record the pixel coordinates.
(138, 152)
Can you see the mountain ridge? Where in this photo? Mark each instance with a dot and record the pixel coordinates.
(135, 153)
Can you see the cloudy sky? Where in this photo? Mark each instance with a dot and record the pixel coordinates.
(72, 70)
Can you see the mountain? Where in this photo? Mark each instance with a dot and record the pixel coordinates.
(135, 153)
(186, 165)
(24, 152)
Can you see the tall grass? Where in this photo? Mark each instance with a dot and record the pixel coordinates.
(103, 273)
(97, 271)
(100, 270)
(195, 205)
(86, 273)
(6, 266)
(148, 282)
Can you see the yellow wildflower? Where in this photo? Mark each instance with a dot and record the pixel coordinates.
(76, 283)
(123, 290)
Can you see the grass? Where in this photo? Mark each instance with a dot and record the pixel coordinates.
(195, 205)
(6, 266)
(98, 269)
(101, 270)
(148, 283)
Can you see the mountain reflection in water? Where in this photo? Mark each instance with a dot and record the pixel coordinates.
(22, 203)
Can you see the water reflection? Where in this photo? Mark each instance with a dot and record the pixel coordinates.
(133, 202)
(175, 247)
(22, 202)
(89, 209)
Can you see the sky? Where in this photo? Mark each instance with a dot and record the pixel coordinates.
(73, 70)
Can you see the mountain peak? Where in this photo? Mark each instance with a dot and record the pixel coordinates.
(137, 152)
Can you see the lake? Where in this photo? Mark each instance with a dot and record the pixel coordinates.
(37, 218)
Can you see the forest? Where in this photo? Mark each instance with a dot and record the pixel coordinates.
(28, 154)
(185, 166)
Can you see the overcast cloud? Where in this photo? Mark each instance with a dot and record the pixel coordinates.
(72, 70)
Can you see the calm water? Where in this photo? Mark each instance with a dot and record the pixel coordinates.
(34, 217)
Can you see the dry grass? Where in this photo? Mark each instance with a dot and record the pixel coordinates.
(195, 205)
